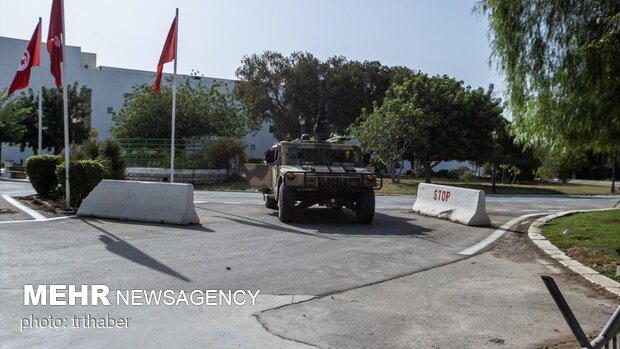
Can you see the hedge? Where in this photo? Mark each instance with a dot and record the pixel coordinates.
(84, 176)
(41, 169)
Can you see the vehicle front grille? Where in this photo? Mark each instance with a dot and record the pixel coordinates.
(332, 182)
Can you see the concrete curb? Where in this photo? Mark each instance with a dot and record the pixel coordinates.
(535, 235)
(14, 180)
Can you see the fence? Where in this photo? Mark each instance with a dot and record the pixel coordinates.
(609, 338)
(154, 152)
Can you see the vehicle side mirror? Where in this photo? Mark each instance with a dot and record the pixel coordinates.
(366, 159)
(270, 156)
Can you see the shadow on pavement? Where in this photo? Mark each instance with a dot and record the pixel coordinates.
(124, 249)
(336, 223)
(260, 224)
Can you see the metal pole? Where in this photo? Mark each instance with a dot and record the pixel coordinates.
(614, 163)
(174, 94)
(40, 124)
(493, 190)
(570, 318)
(65, 106)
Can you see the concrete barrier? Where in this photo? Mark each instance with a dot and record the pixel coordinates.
(466, 206)
(141, 201)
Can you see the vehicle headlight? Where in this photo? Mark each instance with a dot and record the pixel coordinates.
(311, 181)
(290, 175)
(371, 177)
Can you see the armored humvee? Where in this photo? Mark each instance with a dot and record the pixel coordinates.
(302, 173)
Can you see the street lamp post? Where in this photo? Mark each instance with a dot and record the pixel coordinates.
(74, 121)
(302, 123)
(494, 136)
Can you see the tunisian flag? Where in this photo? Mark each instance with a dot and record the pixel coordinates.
(54, 41)
(30, 59)
(167, 55)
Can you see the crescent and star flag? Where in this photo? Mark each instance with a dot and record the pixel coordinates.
(54, 43)
(29, 60)
(167, 55)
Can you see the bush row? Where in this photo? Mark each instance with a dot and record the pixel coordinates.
(47, 175)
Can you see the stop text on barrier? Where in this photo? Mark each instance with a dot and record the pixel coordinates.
(441, 195)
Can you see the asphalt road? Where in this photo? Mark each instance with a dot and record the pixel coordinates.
(400, 282)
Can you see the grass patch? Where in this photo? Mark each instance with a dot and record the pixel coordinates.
(409, 186)
(593, 239)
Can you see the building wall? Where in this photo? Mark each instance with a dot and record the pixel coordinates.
(108, 86)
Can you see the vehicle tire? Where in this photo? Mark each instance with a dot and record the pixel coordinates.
(365, 208)
(271, 203)
(286, 204)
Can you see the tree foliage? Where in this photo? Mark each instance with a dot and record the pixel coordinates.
(53, 116)
(281, 90)
(430, 119)
(201, 112)
(12, 115)
(560, 59)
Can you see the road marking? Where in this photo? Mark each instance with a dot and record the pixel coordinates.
(32, 213)
(496, 235)
(37, 220)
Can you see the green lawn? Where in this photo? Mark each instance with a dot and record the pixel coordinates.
(594, 239)
(409, 186)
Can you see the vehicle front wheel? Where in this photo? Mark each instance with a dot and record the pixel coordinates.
(365, 208)
(286, 204)
(271, 203)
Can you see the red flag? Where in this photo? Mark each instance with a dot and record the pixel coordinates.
(167, 55)
(30, 59)
(54, 41)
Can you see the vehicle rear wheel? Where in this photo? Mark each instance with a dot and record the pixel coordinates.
(286, 204)
(365, 208)
(271, 203)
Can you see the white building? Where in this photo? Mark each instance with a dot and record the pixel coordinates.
(107, 84)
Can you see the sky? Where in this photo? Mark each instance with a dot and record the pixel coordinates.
(434, 36)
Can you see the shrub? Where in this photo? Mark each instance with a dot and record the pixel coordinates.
(84, 176)
(463, 174)
(220, 151)
(111, 156)
(254, 161)
(41, 171)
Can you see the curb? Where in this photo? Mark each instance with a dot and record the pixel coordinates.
(535, 235)
(14, 180)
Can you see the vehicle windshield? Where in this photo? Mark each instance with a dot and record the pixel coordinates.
(323, 156)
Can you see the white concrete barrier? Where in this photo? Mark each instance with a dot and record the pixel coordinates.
(466, 206)
(141, 201)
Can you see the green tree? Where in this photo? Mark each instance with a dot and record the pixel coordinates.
(282, 90)
(201, 112)
(53, 132)
(12, 115)
(559, 163)
(436, 119)
(560, 60)
(386, 133)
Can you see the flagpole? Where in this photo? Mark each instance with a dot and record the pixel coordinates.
(174, 94)
(40, 131)
(65, 106)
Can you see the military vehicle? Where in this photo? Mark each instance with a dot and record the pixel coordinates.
(302, 173)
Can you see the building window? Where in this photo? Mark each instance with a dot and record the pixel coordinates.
(270, 128)
(86, 66)
(252, 147)
(110, 110)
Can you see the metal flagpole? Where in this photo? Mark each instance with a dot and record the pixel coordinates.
(174, 94)
(40, 131)
(65, 106)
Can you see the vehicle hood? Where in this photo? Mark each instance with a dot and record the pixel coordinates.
(324, 169)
